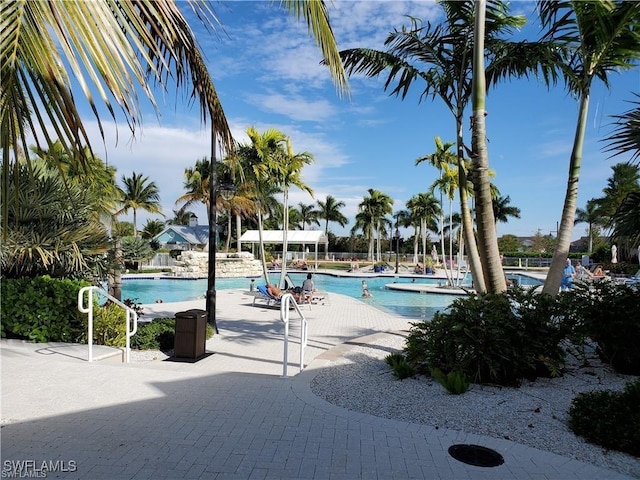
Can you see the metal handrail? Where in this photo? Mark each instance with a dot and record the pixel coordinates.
(130, 312)
(285, 302)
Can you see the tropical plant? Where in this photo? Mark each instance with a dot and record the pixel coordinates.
(595, 39)
(625, 137)
(376, 206)
(591, 216)
(139, 194)
(53, 229)
(152, 228)
(329, 211)
(502, 209)
(626, 220)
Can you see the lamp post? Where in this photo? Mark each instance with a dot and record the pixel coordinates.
(227, 191)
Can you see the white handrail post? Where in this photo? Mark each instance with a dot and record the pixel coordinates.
(284, 316)
(89, 311)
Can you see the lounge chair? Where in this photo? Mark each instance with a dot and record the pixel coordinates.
(263, 294)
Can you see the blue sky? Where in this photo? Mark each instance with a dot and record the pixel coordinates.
(266, 70)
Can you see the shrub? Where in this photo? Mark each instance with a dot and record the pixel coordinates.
(109, 325)
(401, 368)
(608, 313)
(609, 419)
(42, 309)
(454, 382)
(491, 338)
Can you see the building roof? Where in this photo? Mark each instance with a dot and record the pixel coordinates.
(293, 236)
(196, 235)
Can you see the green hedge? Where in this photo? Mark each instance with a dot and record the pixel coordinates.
(609, 419)
(42, 309)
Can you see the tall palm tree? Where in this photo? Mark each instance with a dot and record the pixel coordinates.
(627, 220)
(262, 163)
(139, 194)
(591, 216)
(502, 209)
(364, 222)
(442, 57)
(329, 211)
(288, 169)
(596, 39)
(425, 208)
(308, 215)
(485, 222)
(377, 205)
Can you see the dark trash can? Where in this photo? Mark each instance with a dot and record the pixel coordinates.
(191, 334)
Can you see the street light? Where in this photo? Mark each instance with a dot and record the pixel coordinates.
(227, 190)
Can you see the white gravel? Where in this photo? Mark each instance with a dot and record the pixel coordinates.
(534, 414)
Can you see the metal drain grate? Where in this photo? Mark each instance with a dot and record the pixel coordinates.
(476, 455)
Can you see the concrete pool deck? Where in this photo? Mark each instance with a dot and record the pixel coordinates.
(232, 415)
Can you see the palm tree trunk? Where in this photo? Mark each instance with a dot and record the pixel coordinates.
(239, 232)
(285, 228)
(115, 279)
(423, 223)
(416, 239)
(487, 238)
(229, 224)
(135, 229)
(262, 256)
(554, 276)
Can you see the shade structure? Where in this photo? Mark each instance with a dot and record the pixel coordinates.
(303, 237)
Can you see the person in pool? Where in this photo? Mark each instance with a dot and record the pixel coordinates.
(365, 290)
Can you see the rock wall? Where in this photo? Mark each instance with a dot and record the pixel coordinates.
(194, 264)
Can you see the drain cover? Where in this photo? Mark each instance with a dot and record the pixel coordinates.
(476, 455)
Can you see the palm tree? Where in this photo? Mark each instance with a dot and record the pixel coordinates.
(54, 229)
(596, 38)
(196, 183)
(627, 219)
(329, 211)
(591, 216)
(424, 208)
(441, 56)
(287, 174)
(364, 221)
(376, 205)
(502, 209)
(152, 228)
(626, 136)
(308, 215)
(262, 163)
(139, 194)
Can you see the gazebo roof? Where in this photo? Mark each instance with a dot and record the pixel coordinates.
(293, 236)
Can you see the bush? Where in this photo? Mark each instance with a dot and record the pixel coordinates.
(609, 419)
(42, 309)
(454, 382)
(109, 325)
(491, 338)
(607, 313)
(401, 368)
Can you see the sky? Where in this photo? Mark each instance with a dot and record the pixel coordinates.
(266, 69)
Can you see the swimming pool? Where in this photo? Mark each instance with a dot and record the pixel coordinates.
(409, 304)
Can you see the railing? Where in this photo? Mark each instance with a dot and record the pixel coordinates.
(285, 302)
(131, 313)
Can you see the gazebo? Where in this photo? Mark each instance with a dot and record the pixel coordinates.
(303, 237)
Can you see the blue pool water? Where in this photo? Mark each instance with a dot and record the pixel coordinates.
(409, 304)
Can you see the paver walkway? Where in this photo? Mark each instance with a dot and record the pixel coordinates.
(230, 415)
